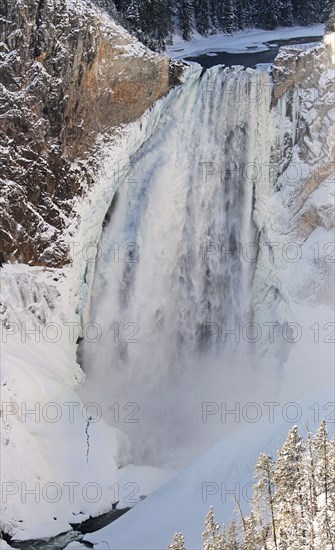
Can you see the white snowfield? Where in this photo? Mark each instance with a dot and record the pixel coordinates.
(251, 40)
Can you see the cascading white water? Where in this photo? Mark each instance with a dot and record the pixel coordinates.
(161, 303)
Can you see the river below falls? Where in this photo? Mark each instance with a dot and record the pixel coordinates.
(61, 541)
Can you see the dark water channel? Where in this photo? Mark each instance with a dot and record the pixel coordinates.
(61, 541)
(249, 59)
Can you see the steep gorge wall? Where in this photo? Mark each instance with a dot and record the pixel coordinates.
(295, 210)
(303, 151)
(68, 74)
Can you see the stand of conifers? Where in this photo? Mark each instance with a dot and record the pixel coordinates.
(293, 502)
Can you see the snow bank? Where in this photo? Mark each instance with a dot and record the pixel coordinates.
(60, 461)
(245, 41)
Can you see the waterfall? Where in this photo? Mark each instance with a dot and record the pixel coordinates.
(175, 268)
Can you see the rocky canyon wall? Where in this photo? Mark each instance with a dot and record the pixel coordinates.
(68, 73)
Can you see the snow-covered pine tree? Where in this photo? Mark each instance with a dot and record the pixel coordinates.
(324, 461)
(214, 537)
(267, 17)
(311, 508)
(326, 10)
(263, 497)
(305, 12)
(331, 495)
(154, 21)
(232, 543)
(229, 22)
(250, 10)
(177, 543)
(150, 20)
(121, 5)
(215, 15)
(169, 16)
(285, 16)
(252, 538)
(322, 473)
(133, 14)
(240, 14)
(290, 498)
(293, 505)
(185, 15)
(162, 22)
(330, 24)
(202, 16)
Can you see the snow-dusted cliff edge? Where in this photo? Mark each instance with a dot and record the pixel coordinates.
(288, 208)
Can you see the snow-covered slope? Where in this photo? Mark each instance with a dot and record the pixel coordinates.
(60, 461)
(214, 479)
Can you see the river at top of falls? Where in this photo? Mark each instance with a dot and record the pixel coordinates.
(172, 275)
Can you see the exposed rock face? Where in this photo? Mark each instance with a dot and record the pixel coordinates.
(67, 74)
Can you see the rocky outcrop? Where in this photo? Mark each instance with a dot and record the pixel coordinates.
(68, 73)
(300, 64)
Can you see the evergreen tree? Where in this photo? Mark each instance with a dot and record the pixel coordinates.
(229, 23)
(202, 16)
(121, 5)
(213, 537)
(154, 21)
(286, 13)
(291, 486)
(215, 15)
(177, 543)
(324, 484)
(133, 15)
(110, 7)
(305, 12)
(185, 14)
(250, 11)
(240, 14)
(268, 14)
(312, 496)
(330, 26)
(322, 472)
(331, 495)
(263, 495)
(169, 16)
(293, 505)
(232, 543)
